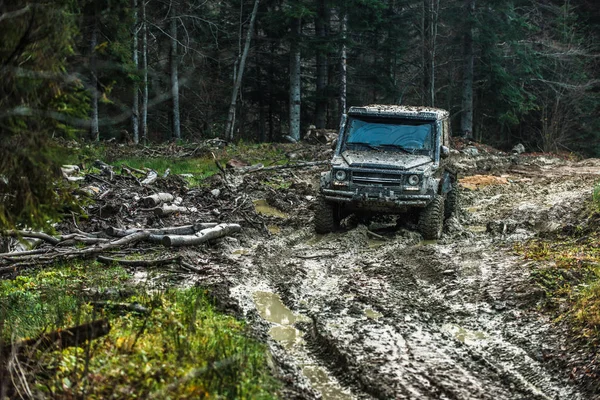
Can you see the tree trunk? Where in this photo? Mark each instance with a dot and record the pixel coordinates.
(94, 132)
(321, 25)
(466, 120)
(344, 64)
(145, 81)
(428, 43)
(176, 128)
(295, 82)
(135, 118)
(238, 82)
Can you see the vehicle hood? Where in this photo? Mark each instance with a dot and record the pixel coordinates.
(384, 159)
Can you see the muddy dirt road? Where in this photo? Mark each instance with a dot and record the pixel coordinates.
(375, 312)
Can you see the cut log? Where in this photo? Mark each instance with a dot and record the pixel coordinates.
(167, 210)
(150, 178)
(157, 199)
(173, 230)
(202, 236)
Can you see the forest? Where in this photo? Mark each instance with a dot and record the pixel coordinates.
(158, 188)
(150, 71)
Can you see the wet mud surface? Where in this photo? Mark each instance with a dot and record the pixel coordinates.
(357, 315)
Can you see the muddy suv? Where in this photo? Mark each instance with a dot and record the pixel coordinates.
(390, 160)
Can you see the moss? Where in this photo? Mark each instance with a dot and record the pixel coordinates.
(181, 349)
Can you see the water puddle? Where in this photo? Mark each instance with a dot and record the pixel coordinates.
(271, 308)
(274, 229)
(372, 314)
(262, 207)
(375, 243)
(477, 228)
(465, 336)
(321, 381)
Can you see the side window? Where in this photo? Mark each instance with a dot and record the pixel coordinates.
(446, 133)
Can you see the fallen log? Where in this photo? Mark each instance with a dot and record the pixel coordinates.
(62, 338)
(150, 178)
(139, 263)
(157, 199)
(38, 235)
(174, 230)
(168, 210)
(202, 236)
(295, 165)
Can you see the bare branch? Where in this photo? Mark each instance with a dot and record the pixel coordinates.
(14, 14)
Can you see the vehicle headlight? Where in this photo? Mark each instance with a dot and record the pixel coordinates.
(413, 180)
(340, 175)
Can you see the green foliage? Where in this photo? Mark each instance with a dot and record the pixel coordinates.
(182, 349)
(34, 89)
(596, 197)
(205, 167)
(570, 276)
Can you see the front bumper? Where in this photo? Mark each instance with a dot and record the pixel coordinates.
(381, 197)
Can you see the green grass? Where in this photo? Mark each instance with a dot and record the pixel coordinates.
(570, 277)
(183, 349)
(205, 167)
(596, 197)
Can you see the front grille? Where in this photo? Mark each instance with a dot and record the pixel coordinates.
(377, 178)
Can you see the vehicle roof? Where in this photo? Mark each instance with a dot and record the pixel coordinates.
(403, 111)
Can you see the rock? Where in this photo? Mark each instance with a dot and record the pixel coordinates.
(471, 151)
(518, 149)
(215, 192)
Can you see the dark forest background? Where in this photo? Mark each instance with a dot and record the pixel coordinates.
(142, 71)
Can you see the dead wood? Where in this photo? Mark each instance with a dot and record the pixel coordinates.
(137, 171)
(24, 253)
(121, 307)
(150, 178)
(157, 199)
(202, 236)
(61, 338)
(295, 165)
(38, 235)
(168, 210)
(173, 230)
(140, 263)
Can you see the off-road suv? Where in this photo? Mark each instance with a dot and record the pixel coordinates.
(390, 160)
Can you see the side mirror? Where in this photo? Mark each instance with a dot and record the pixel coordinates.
(444, 151)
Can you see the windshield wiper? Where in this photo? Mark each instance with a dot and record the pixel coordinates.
(396, 146)
(369, 145)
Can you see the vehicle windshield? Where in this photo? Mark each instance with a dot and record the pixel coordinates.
(408, 136)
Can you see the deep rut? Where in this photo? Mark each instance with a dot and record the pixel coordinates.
(404, 319)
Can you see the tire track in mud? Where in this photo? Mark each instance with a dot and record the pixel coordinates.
(400, 319)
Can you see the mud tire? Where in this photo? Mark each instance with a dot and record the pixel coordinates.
(452, 203)
(327, 216)
(431, 220)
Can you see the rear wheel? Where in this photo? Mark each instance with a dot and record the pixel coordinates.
(327, 216)
(452, 203)
(431, 220)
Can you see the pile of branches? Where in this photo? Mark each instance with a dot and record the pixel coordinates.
(101, 245)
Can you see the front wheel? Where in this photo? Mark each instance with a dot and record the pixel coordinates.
(431, 219)
(327, 216)
(452, 201)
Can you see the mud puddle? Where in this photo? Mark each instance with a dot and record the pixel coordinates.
(404, 318)
(271, 309)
